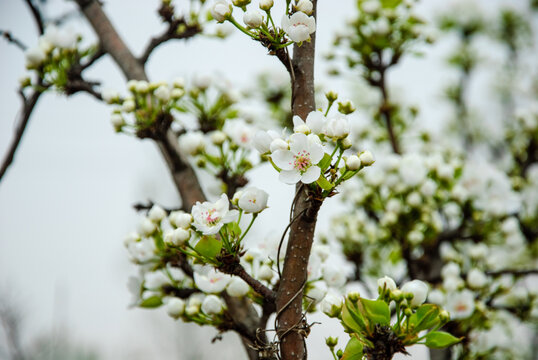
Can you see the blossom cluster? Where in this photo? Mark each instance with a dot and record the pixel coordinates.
(369, 321)
(297, 24)
(53, 58)
(309, 155)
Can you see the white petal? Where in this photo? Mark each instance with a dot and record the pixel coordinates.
(298, 143)
(315, 121)
(283, 159)
(290, 176)
(311, 175)
(222, 204)
(232, 215)
(316, 153)
(297, 121)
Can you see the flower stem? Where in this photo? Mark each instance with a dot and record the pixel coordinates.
(254, 216)
(237, 25)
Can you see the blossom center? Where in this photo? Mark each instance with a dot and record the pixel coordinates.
(302, 161)
(210, 218)
(461, 307)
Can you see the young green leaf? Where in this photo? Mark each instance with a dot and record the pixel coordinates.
(151, 302)
(208, 246)
(440, 339)
(353, 350)
(376, 311)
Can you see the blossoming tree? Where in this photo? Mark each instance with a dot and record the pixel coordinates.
(429, 221)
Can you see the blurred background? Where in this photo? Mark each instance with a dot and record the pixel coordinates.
(66, 202)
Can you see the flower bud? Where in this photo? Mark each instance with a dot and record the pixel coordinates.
(353, 296)
(142, 86)
(331, 96)
(331, 342)
(386, 283)
(305, 6)
(253, 19)
(253, 200)
(367, 158)
(266, 5)
(128, 105)
(338, 128)
(212, 304)
(221, 10)
(346, 107)
(353, 163)
(278, 144)
(418, 289)
(218, 137)
(147, 227)
(265, 273)
(156, 214)
(117, 121)
(237, 287)
(180, 236)
(162, 93)
(175, 307)
(177, 93)
(346, 143)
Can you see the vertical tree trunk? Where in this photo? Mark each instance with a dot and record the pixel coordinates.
(294, 275)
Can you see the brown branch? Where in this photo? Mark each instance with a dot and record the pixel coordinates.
(385, 110)
(96, 56)
(13, 40)
(36, 13)
(238, 270)
(294, 274)
(512, 272)
(24, 116)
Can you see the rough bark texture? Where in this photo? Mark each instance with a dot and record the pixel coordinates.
(245, 318)
(291, 324)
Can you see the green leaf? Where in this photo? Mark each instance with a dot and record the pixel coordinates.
(353, 350)
(324, 183)
(325, 162)
(208, 246)
(426, 317)
(440, 339)
(390, 4)
(352, 319)
(234, 228)
(151, 302)
(376, 311)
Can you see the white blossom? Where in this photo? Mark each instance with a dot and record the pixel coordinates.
(210, 280)
(333, 275)
(299, 26)
(337, 128)
(240, 132)
(147, 227)
(278, 144)
(253, 200)
(34, 57)
(331, 304)
(318, 291)
(477, 278)
(155, 280)
(180, 219)
(315, 123)
(460, 305)
(142, 251)
(299, 163)
(192, 142)
(265, 273)
(210, 217)
(266, 4)
(366, 158)
(353, 163)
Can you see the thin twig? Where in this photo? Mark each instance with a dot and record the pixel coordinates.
(36, 13)
(24, 116)
(13, 40)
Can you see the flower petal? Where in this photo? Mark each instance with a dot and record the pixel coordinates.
(232, 215)
(222, 204)
(283, 159)
(290, 176)
(316, 152)
(298, 143)
(315, 122)
(311, 175)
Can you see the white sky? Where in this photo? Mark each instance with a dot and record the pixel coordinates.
(65, 204)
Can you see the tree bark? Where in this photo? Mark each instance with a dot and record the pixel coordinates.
(292, 328)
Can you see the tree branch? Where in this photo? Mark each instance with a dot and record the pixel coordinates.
(294, 274)
(24, 116)
(36, 13)
(238, 270)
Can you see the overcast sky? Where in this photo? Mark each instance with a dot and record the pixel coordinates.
(65, 204)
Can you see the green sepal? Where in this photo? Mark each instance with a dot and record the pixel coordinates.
(151, 302)
(208, 246)
(440, 339)
(353, 349)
